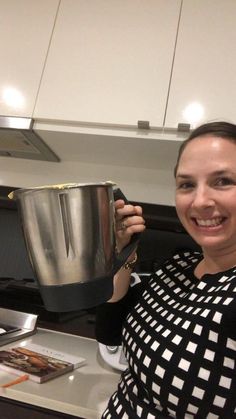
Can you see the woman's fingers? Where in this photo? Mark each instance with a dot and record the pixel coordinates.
(128, 216)
(129, 221)
(124, 210)
(119, 203)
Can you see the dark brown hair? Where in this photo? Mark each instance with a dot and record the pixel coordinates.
(216, 129)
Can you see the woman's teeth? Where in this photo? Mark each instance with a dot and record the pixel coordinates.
(209, 223)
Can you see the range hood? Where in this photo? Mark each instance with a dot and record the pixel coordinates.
(18, 139)
(90, 143)
(15, 325)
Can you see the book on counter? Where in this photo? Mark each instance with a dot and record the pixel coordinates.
(39, 362)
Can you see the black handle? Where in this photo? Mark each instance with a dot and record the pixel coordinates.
(118, 194)
(127, 250)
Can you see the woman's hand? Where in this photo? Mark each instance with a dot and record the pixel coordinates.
(129, 220)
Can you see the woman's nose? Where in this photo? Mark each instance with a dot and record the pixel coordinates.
(203, 198)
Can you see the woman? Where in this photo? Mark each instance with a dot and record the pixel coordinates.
(179, 328)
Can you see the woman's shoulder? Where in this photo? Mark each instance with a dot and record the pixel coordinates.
(191, 256)
(184, 259)
(180, 264)
(178, 269)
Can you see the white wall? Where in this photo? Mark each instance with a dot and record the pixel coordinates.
(145, 185)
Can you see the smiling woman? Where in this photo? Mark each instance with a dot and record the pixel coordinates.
(206, 198)
(177, 326)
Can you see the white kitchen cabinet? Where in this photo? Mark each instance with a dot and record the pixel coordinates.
(25, 31)
(110, 62)
(203, 86)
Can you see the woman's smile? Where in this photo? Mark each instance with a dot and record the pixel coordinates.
(206, 198)
(209, 223)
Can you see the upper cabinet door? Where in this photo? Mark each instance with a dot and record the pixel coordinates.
(203, 86)
(25, 31)
(110, 61)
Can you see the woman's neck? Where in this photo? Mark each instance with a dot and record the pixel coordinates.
(215, 262)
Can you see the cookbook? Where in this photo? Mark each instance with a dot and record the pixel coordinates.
(38, 362)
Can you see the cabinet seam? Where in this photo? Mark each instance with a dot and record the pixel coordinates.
(46, 57)
(172, 64)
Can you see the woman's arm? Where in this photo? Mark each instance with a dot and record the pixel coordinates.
(111, 315)
(129, 221)
(121, 281)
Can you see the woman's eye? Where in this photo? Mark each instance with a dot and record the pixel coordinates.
(185, 185)
(224, 181)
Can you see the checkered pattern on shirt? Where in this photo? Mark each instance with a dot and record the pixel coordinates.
(180, 343)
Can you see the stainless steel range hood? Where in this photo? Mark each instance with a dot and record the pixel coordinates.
(16, 325)
(18, 139)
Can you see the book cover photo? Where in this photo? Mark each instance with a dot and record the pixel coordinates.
(40, 363)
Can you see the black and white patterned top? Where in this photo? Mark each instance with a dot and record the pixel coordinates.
(180, 342)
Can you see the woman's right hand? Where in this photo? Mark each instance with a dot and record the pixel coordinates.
(129, 220)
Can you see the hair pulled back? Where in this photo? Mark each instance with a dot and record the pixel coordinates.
(216, 129)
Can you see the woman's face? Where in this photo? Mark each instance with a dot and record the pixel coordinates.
(206, 192)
